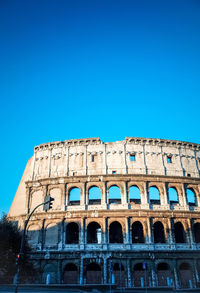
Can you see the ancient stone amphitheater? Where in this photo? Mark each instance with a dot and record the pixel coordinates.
(125, 212)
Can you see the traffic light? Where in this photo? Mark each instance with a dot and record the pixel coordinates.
(19, 259)
(48, 202)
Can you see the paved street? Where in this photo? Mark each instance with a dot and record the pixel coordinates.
(55, 289)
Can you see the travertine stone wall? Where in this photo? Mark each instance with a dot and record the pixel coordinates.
(92, 157)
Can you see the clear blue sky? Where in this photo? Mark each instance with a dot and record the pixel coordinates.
(108, 69)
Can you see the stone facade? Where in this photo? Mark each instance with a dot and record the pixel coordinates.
(126, 212)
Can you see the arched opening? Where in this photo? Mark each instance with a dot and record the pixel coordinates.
(70, 274)
(154, 195)
(191, 197)
(158, 232)
(118, 276)
(94, 233)
(164, 275)
(140, 275)
(196, 230)
(134, 194)
(137, 232)
(179, 233)
(74, 196)
(93, 273)
(49, 274)
(114, 195)
(185, 275)
(94, 195)
(72, 233)
(115, 235)
(173, 195)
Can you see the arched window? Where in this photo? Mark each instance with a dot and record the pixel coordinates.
(74, 196)
(72, 233)
(185, 275)
(134, 194)
(137, 233)
(158, 232)
(114, 194)
(119, 275)
(154, 195)
(173, 195)
(196, 230)
(191, 198)
(140, 274)
(179, 233)
(164, 274)
(70, 275)
(93, 273)
(94, 195)
(93, 233)
(115, 235)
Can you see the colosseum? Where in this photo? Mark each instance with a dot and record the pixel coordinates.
(125, 212)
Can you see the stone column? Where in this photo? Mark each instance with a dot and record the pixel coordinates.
(144, 197)
(153, 274)
(82, 234)
(59, 277)
(163, 197)
(127, 231)
(129, 273)
(176, 280)
(105, 238)
(183, 197)
(190, 234)
(81, 271)
(103, 195)
(105, 271)
(150, 232)
(195, 265)
(124, 197)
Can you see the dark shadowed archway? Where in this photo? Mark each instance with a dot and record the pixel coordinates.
(70, 274)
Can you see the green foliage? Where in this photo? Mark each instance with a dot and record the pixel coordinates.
(10, 239)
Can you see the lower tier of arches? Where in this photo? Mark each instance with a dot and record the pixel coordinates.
(122, 269)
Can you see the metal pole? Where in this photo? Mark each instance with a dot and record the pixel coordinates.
(22, 244)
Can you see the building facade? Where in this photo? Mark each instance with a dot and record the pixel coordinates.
(125, 212)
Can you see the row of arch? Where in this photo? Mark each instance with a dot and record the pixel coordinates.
(140, 274)
(134, 194)
(94, 233)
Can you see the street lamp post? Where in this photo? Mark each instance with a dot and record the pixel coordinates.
(47, 205)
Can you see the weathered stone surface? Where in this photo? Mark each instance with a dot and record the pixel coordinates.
(92, 244)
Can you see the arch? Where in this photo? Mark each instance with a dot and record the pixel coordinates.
(179, 233)
(185, 275)
(115, 233)
(51, 234)
(33, 234)
(140, 275)
(137, 232)
(93, 233)
(114, 194)
(164, 275)
(74, 196)
(70, 274)
(173, 195)
(158, 232)
(49, 271)
(94, 195)
(190, 196)
(93, 273)
(134, 194)
(196, 231)
(72, 233)
(118, 274)
(154, 195)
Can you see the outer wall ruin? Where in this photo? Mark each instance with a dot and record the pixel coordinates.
(125, 212)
